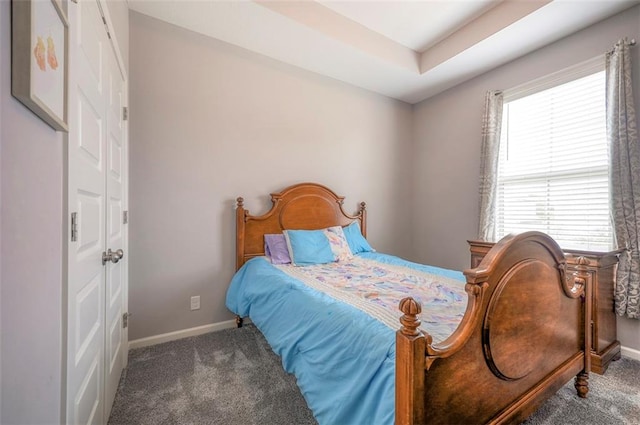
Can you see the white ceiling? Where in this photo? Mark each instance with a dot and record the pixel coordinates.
(417, 25)
(407, 50)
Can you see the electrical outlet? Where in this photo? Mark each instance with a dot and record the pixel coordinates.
(195, 302)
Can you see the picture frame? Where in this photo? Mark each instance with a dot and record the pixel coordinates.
(40, 59)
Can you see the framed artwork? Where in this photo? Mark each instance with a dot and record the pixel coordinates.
(39, 59)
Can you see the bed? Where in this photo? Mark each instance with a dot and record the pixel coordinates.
(523, 331)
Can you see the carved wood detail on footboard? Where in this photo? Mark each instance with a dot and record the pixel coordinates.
(523, 336)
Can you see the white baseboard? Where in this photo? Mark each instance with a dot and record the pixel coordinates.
(228, 324)
(630, 353)
(184, 333)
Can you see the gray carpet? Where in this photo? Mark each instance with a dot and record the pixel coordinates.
(227, 377)
(232, 377)
(614, 398)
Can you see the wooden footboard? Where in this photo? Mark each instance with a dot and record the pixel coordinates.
(523, 336)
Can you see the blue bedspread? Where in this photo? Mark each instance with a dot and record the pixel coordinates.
(343, 359)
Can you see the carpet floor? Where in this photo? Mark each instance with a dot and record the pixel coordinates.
(232, 377)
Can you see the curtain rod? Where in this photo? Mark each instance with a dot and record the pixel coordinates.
(629, 43)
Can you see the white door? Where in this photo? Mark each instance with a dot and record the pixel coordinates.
(96, 345)
(116, 274)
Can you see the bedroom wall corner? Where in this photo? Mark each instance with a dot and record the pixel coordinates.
(213, 122)
(118, 11)
(447, 131)
(31, 183)
(2, 71)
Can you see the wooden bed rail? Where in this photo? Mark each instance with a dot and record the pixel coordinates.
(524, 334)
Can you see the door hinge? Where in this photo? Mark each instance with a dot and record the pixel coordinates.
(74, 226)
(125, 320)
(106, 27)
(125, 113)
(125, 217)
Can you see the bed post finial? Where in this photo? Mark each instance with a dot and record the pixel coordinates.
(363, 218)
(409, 321)
(240, 201)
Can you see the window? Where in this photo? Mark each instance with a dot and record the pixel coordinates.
(554, 160)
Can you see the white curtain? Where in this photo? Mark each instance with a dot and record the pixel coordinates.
(624, 177)
(491, 127)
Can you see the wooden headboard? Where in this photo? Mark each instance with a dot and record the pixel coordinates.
(304, 206)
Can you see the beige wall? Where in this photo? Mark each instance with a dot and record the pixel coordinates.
(31, 204)
(447, 140)
(2, 72)
(211, 122)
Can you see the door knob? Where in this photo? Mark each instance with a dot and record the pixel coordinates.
(113, 256)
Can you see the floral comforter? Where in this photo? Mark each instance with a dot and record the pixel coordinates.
(377, 288)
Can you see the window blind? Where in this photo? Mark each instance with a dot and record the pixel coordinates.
(553, 165)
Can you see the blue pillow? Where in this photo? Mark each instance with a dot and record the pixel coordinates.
(308, 247)
(356, 241)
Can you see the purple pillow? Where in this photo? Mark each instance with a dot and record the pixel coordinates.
(275, 247)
